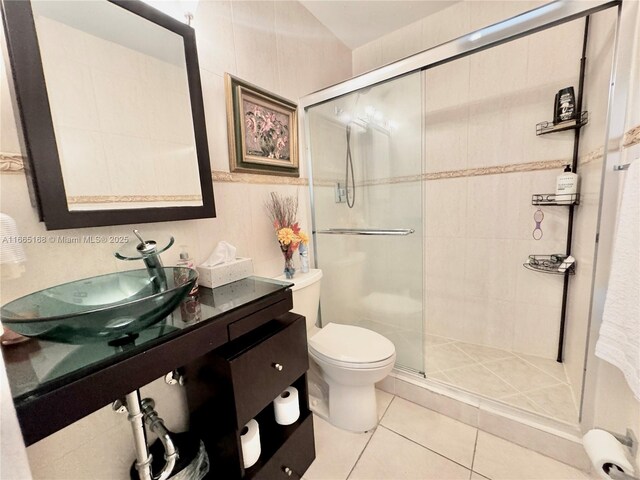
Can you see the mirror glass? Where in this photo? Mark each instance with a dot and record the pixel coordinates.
(119, 98)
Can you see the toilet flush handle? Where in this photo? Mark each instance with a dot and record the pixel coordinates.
(278, 367)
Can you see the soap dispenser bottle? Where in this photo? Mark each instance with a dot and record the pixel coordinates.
(566, 186)
(186, 261)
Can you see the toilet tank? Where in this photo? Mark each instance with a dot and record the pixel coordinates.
(306, 294)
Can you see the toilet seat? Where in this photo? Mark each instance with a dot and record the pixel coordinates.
(351, 347)
(318, 357)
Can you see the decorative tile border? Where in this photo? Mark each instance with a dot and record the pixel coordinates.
(14, 163)
(11, 163)
(632, 137)
(475, 172)
(511, 168)
(91, 199)
(592, 156)
(469, 172)
(226, 177)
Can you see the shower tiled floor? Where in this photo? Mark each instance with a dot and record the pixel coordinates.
(532, 383)
(412, 442)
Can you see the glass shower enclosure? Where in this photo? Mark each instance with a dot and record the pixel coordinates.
(425, 176)
(367, 163)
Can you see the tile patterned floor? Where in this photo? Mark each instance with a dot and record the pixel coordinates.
(532, 383)
(415, 443)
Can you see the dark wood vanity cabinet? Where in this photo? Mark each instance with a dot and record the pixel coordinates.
(236, 359)
(239, 381)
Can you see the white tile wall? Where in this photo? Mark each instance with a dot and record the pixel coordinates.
(216, 46)
(317, 60)
(402, 42)
(368, 57)
(481, 111)
(256, 48)
(446, 24)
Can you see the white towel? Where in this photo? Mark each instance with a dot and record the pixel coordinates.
(619, 341)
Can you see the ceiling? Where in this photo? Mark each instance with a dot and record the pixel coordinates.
(356, 22)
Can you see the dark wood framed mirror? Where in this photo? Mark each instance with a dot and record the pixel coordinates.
(111, 109)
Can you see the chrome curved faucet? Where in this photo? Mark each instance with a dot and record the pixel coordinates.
(149, 252)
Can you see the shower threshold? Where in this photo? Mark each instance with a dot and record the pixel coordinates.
(534, 384)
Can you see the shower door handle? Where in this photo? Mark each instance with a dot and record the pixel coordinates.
(367, 231)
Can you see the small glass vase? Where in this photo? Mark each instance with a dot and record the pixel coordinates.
(289, 270)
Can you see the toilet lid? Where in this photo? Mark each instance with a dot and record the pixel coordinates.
(350, 344)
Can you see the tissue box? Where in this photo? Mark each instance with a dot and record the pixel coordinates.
(225, 272)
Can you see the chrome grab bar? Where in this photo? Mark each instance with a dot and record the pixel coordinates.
(367, 231)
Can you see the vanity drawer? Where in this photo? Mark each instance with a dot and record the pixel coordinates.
(259, 374)
(248, 324)
(293, 458)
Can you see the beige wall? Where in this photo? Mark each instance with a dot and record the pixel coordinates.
(277, 45)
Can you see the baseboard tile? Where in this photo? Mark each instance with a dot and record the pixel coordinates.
(562, 443)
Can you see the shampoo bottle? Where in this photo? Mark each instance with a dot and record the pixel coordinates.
(565, 105)
(566, 186)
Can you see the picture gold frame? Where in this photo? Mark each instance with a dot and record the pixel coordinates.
(262, 130)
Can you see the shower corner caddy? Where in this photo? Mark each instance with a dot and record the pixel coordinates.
(555, 199)
(549, 264)
(544, 128)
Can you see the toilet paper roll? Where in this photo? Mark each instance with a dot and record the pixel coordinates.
(287, 407)
(605, 451)
(250, 441)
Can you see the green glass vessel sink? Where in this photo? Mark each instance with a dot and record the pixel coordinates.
(104, 308)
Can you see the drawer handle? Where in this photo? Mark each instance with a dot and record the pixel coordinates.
(287, 470)
(278, 367)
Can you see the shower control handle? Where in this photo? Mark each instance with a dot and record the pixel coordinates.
(278, 366)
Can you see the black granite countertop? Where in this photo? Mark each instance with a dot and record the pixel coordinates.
(42, 371)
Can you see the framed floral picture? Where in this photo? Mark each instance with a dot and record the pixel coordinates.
(262, 129)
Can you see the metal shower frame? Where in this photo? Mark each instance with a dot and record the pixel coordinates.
(527, 23)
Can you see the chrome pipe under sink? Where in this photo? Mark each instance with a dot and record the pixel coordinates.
(141, 412)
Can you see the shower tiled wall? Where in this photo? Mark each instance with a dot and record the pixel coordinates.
(481, 113)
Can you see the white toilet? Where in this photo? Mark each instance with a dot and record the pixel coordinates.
(350, 359)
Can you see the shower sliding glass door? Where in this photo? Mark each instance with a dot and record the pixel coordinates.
(366, 155)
